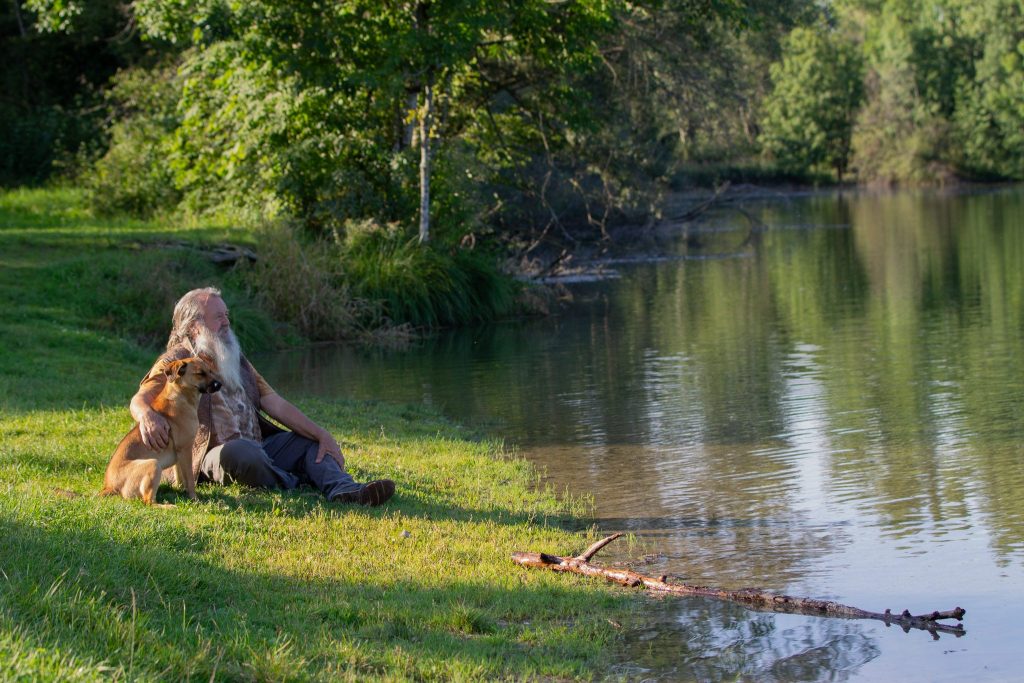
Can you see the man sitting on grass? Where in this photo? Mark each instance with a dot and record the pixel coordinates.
(234, 441)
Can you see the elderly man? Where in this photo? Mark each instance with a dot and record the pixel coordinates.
(234, 441)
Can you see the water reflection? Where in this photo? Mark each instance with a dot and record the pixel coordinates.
(834, 412)
(707, 640)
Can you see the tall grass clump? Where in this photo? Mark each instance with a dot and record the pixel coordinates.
(424, 285)
(305, 285)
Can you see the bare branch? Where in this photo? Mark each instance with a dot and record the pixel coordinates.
(754, 599)
(592, 550)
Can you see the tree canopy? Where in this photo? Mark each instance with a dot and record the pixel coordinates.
(517, 119)
(817, 88)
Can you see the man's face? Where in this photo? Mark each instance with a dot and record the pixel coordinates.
(215, 316)
(212, 336)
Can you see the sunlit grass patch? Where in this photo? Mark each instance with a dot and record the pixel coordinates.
(256, 584)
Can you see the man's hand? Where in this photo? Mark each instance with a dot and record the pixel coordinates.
(292, 418)
(154, 430)
(328, 446)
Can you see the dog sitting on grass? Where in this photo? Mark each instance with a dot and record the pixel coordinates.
(134, 469)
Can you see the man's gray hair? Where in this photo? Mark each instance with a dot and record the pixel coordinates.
(189, 309)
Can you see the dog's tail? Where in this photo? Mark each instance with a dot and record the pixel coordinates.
(107, 491)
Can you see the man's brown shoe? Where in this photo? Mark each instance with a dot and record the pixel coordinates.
(376, 492)
(372, 494)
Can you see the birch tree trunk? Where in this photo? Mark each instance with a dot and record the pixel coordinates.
(425, 120)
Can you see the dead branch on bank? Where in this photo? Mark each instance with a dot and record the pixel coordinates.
(696, 211)
(752, 598)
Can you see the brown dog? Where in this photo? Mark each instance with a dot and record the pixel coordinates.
(134, 469)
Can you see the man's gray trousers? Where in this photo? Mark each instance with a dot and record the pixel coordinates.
(284, 460)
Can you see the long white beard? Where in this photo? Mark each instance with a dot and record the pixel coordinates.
(225, 351)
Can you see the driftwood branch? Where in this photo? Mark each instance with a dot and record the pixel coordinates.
(694, 212)
(755, 599)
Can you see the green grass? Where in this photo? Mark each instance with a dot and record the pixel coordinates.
(62, 266)
(246, 584)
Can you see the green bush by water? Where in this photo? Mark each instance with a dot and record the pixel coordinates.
(426, 285)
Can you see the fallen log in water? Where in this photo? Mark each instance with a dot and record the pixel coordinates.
(755, 599)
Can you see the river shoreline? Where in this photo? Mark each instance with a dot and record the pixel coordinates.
(835, 414)
(689, 216)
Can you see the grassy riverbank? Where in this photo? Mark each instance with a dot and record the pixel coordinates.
(247, 585)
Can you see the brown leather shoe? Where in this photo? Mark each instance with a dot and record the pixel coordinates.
(372, 494)
(376, 492)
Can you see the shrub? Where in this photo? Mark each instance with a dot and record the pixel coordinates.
(28, 142)
(809, 114)
(305, 287)
(424, 285)
(133, 176)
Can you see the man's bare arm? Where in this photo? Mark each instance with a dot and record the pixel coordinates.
(152, 425)
(294, 419)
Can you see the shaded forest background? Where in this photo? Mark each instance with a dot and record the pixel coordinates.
(546, 121)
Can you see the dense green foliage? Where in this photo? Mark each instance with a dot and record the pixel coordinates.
(310, 107)
(809, 114)
(254, 110)
(940, 99)
(547, 122)
(943, 85)
(989, 116)
(567, 113)
(55, 63)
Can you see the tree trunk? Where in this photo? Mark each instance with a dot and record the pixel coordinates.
(422, 24)
(755, 599)
(428, 106)
(17, 15)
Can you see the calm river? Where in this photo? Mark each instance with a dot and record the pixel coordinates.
(831, 407)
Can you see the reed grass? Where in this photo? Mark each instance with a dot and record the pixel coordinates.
(427, 285)
(304, 284)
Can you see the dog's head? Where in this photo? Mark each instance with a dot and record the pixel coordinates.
(197, 373)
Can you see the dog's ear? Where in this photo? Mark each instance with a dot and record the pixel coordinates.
(176, 369)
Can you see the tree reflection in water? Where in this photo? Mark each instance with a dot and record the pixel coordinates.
(709, 640)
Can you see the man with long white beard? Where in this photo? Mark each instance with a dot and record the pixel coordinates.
(234, 441)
